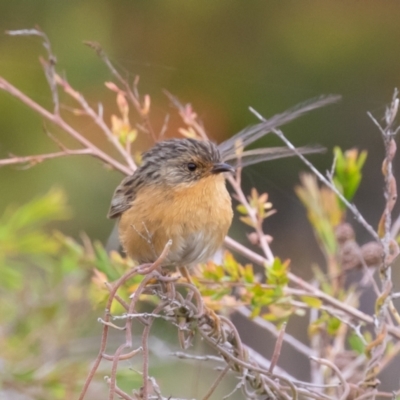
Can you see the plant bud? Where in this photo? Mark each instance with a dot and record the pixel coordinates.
(344, 232)
(372, 254)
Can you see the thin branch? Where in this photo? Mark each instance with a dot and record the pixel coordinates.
(145, 346)
(345, 385)
(322, 178)
(270, 327)
(97, 119)
(37, 159)
(118, 391)
(133, 95)
(390, 247)
(277, 349)
(125, 356)
(49, 66)
(185, 356)
(216, 383)
(104, 337)
(235, 183)
(188, 116)
(256, 258)
(58, 121)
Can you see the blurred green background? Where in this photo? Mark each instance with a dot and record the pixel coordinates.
(221, 56)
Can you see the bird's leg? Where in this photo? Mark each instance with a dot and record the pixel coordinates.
(215, 323)
(165, 284)
(185, 273)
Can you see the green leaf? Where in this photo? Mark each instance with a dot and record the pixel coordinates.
(37, 212)
(269, 317)
(248, 221)
(347, 176)
(21, 229)
(313, 302)
(277, 272)
(333, 325)
(356, 343)
(255, 312)
(231, 266)
(248, 273)
(242, 209)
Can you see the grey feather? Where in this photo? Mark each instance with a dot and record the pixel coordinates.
(123, 196)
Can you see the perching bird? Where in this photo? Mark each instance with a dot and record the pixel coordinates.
(179, 193)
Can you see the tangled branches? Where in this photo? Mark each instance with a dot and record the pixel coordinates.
(181, 304)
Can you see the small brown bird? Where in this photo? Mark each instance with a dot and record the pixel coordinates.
(179, 193)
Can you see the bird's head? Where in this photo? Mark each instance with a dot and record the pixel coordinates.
(182, 162)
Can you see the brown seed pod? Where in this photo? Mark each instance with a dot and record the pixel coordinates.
(344, 232)
(372, 253)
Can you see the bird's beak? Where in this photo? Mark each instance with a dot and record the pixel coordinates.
(222, 167)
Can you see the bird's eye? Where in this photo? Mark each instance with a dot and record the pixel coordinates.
(192, 166)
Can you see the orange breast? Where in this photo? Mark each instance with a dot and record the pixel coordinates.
(195, 217)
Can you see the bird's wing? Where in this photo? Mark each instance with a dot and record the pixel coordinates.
(255, 132)
(123, 196)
